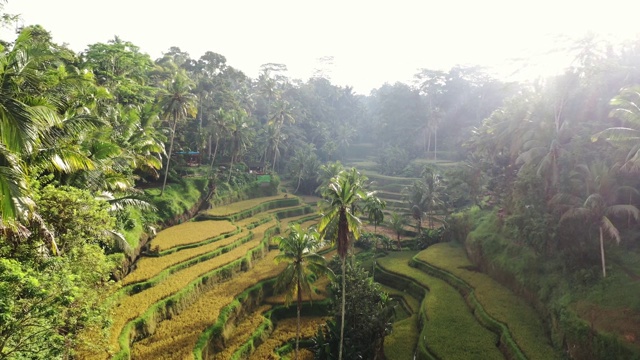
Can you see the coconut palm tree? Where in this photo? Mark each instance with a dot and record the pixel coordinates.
(397, 222)
(626, 108)
(177, 104)
(600, 206)
(374, 207)
(240, 135)
(416, 199)
(282, 114)
(297, 250)
(327, 173)
(341, 196)
(220, 129)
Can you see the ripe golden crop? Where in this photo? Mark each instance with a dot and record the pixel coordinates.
(176, 338)
(190, 233)
(236, 207)
(242, 332)
(148, 267)
(131, 307)
(284, 331)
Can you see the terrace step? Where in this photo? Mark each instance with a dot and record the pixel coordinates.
(148, 267)
(520, 327)
(134, 306)
(285, 331)
(190, 233)
(242, 332)
(177, 338)
(244, 209)
(449, 328)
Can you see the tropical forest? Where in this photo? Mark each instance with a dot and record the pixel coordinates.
(177, 208)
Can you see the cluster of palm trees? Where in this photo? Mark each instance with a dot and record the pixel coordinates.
(425, 196)
(343, 194)
(61, 125)
(551, 161)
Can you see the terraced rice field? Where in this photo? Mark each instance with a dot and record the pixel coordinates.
(131, 307)
(500, 303)
(192, 294)
(176, 338)
(240, 206)
(188, 257)
(284, 331)
(148, 267)
(451, 331)
(190, 233)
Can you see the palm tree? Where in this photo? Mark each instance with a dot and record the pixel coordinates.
(240, 135)
(303, 160)
(297, 250)
(600, 206)
(282, 114)
(220, 128)
(415, 197)
(327, 173)
(374, 207)
(626, 109)
(433, 193)
(397, 223)
(341, 195)
(26, 111)
(177, 104)
(21, 124)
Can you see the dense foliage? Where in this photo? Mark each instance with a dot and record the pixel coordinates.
(369, 314)
(88, 139)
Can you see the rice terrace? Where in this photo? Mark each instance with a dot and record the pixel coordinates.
(178, 207)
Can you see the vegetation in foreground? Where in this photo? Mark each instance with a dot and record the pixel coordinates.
(96, 156)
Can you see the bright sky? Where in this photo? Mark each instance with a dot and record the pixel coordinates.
(372, 42)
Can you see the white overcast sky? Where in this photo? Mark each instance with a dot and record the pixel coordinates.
(372, 42)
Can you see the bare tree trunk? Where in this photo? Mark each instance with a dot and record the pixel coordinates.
(298, 324)
(435, 143)
(604, 269)
(230, 169)
(166, 171)
(344, 304)
(213, 158)
(275, 157)
(209, 147)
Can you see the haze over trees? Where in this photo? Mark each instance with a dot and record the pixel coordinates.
(83, 134)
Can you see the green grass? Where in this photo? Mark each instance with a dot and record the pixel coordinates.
(248, 208)
(410, 301)
(382, 180)
(134, 233)
(387, 195)
(522, 321)
(402, 341)
(178, 198)
(449, 330)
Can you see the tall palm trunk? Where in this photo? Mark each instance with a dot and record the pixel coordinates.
(166, 171)
(209, 147)
(230, 170)
(343, 248)
(275, 157)
(435, 143)
(298, 322)
(344, 304)
(604, 269)
(215, 151)
(299, 179)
